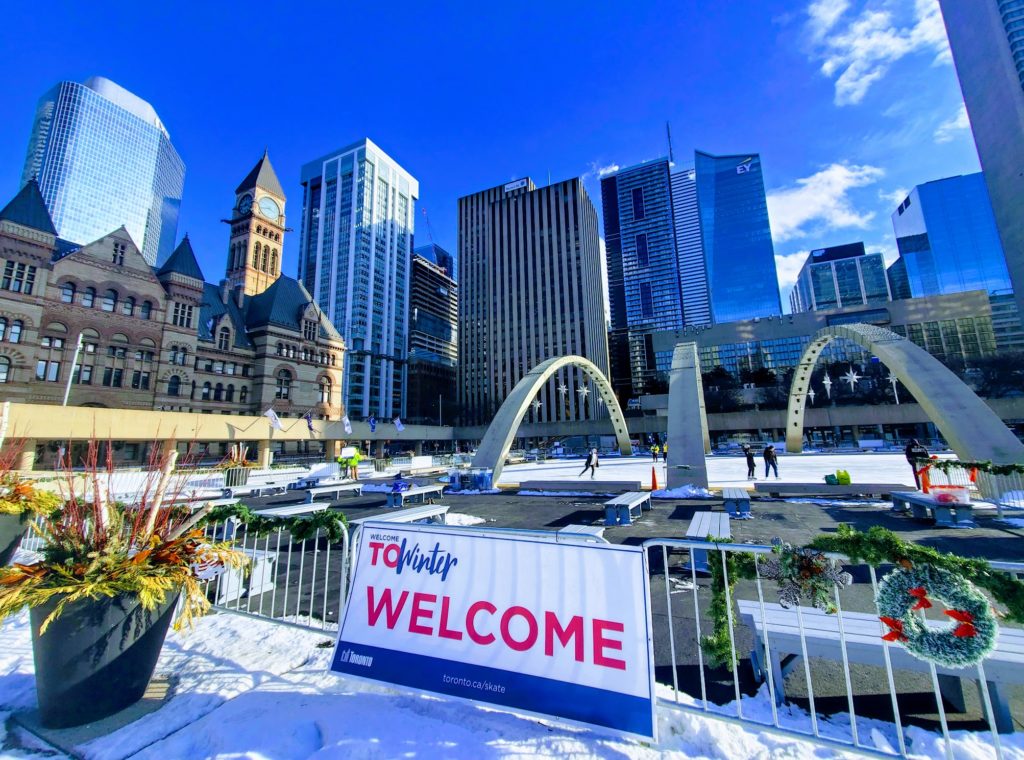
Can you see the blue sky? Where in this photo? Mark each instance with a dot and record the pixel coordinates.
(849, 102)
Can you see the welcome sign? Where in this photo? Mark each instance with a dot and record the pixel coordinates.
(557, 629)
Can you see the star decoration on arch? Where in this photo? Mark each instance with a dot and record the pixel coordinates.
(563, 389)
(537, 404)
(811, 394)
(827, 382)
(852, 378)
(584, 391)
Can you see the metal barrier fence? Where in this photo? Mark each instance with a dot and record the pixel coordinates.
(842, 691)
(301, 583)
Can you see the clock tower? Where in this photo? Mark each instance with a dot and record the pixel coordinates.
(257, 230)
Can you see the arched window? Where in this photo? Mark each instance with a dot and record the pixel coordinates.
(280, 349)
(109, 302)
(266, 251)
(243, 394)
(206, 391)
(67, 293)
(147, 310)
(3, 327)
(325, 391)
(218, 392)
(333, 360)
(284, 384)
(256, 256)
(224, 339)
(15, 336)
(230, 393)
(273, 261)
(183, 356)
(259, 229)
(5, 369)
(88, 297)
(128, 307)
(174, 386)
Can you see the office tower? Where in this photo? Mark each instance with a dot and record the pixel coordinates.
(433, 337)
(687, 248)
(530, 289)
(257, 230)
(987, 40)
(947, 237)
(899, 283)
(103, 159)
(355, 242)
(839, 277)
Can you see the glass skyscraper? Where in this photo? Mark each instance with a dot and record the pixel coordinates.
(738, 252)
(355, 244)
(691, 247)
(839, 277)
(103, 159)
(947, 238)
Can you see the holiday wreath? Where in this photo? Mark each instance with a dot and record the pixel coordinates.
(968, 639)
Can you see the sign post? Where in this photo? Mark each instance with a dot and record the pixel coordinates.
(561, 630)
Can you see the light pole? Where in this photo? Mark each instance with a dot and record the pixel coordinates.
(71, 374)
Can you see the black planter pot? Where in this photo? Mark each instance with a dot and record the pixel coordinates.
(96, 658)
(12, 530)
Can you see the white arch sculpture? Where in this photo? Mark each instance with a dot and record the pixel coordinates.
(967, 423)
(688, 437)
(502, 430)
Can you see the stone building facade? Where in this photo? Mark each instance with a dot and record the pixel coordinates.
(163, 338)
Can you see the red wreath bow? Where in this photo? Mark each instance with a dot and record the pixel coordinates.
(896, 634)
(921, 594)
(966, 629)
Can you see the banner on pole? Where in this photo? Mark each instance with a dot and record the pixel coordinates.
(556, 629)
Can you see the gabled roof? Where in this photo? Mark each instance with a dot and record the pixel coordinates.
(28, 209)
(183, 262)
(262, 176)
(214, 311)
(283, 304)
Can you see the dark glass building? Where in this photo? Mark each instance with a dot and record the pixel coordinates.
(433, 337)
(838, 277)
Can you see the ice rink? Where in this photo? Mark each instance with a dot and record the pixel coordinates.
(726, 470)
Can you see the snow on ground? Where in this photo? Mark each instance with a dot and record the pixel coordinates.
(249, 688)
(454, 518)
(868, 467)
(684, 492)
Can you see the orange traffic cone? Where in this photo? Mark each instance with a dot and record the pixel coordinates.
(654, 480)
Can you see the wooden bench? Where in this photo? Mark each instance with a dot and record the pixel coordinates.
(777, 489)
(864, 645)
(923, 507)
(737, 503)
(601, 486)
(421, 494)
(621, 509)
(334, 488)
(704, 524)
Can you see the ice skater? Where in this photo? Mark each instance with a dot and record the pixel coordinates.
(771, 461)
(916, 455)
(751, 464)
(591, 464)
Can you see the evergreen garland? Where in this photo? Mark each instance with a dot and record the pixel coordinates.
(947, 465)
(300, 527)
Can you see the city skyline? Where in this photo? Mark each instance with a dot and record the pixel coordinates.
(893, 114)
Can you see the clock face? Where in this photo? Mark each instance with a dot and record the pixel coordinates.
(245, 204)
(269, 208)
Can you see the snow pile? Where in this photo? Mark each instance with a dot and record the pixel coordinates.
(683, 492)
(562, 493)
(377, 488)
(454, 518)
(249, 688)
(841, 502)
(473, 492)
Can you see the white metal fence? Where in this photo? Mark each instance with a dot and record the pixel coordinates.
(836, 663)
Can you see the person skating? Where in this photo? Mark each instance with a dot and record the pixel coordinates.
(915, 452)
(591, 464)
(771, 461)
(751, 464)
(655, 450)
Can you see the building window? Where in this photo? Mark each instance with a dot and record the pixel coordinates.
(266, 253)
(128, 307)
(15, 335)
(47, 371)
(18, 277)
(229, 394)
(146, 311)
(109, 302)
(280, 349)
(140, 380)
(256, 256)
(646, 301)
(5, 369)
(284, 384)
(325, 391)
(83, 374)
(638, 204)
(218, 392)
(207, 388)
(113, 377)
(182, 316)
(3, 328)
(224, 339)
(67, 293)
(118, 257)
(88, 297)
(273, 261)
(174, 386)
(243, 395)
(309, 330)
(642, 257)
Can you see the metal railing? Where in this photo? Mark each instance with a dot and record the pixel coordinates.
(1006, 492)
(830, 679)
(298, 582)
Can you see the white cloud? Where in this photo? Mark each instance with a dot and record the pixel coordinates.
(820, 202)
(602, 171)
(788, 267)
(947, 130)
(857, 50)
(596, 170)
(896, 197)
